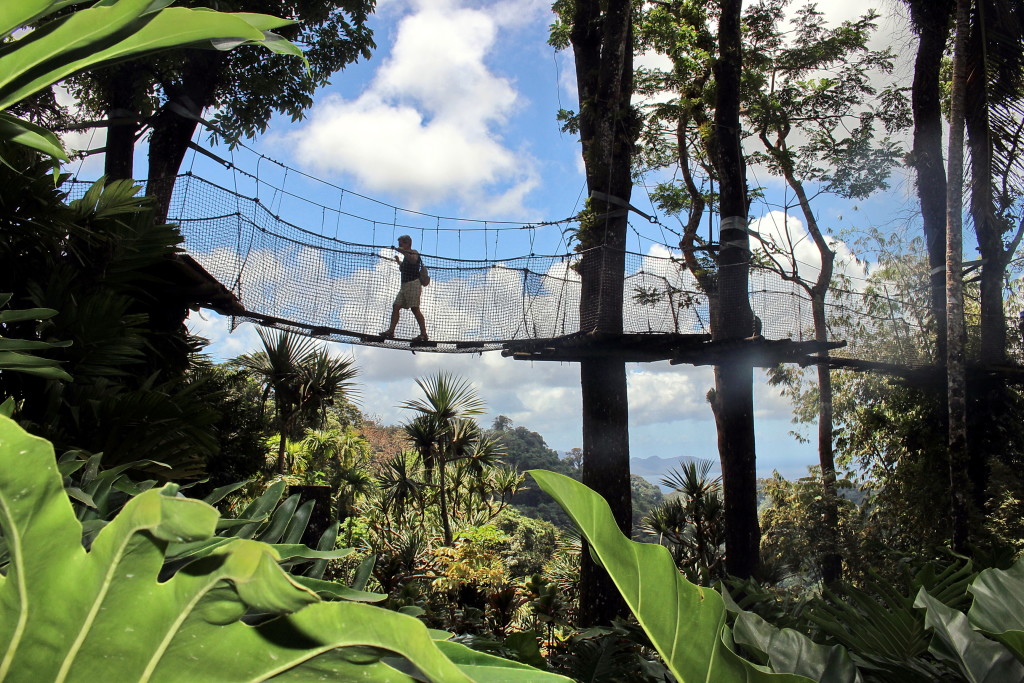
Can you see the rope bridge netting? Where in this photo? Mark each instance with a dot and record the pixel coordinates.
(303, 278)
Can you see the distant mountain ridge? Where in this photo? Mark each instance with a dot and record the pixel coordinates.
(653, 468)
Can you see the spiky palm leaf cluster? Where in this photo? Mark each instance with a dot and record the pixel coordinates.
(303, 379)
(691, 523)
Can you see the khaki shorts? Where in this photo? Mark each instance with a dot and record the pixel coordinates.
(409, 295)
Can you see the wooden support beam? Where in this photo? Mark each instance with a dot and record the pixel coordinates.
(758, 351)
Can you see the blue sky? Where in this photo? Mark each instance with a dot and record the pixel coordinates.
(454, 114)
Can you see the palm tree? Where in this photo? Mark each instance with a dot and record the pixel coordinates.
(692, 522)
(303, 379)
(423, 432)
(443, 430)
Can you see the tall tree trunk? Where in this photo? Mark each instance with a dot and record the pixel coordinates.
(832, 561)
(122, 110)
(733, 398)
(172, 131)
(932, 21)
(602, 41)
(956, 382)
(988, 228)
(990, 400)
(167, 147)
(606, 471)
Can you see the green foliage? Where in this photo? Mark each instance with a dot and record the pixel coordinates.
(645, 497)
(793, 535)
(240, 429)
(880, 627)
(890, 434)
(977, 657)
(102, 265)
(789, 650)
(691, 522)
(243, 88)
(874, 634)
(620, 652)
(527, 543)
(102, 34)
(838, 113)
(303, 378)
(524, 450)
(189, 625)
(13, 356)
(685, 623)
(458, 459)
(998, 608)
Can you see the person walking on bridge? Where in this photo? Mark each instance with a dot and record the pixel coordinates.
(409, 295)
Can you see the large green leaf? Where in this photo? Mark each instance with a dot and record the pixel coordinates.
(21, 314)
(102, 34)
(11, 357)
(14, 15)
(67, 614)
(793, 652)
(979, 659)
(30, 135)
(685, 622)
(998, 607)
(107, 32)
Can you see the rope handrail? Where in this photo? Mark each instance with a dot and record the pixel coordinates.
(286, 275)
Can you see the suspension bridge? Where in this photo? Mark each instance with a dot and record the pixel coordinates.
(310, 276)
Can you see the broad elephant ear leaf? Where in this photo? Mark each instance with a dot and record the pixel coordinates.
(75, 615)
(998, 608)
(685, 622)
(793, 652)
(979, 659)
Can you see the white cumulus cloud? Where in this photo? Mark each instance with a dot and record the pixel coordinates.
(429, 124)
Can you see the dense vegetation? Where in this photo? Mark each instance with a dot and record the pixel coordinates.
(245, 520)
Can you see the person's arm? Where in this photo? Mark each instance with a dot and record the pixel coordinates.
(411, 255)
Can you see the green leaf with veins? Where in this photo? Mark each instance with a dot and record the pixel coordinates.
(67, 614)
(685, 622)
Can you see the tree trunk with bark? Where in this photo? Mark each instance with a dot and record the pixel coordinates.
(932, 21)
(992, 148)
(122, 112)
(605, 470)
(988, 228)
(602, 41)
(733, 399)
(832, 561)
(173, 130)
(956, 381)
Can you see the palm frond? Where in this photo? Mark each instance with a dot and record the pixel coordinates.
(447, 397)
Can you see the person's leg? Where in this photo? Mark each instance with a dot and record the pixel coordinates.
(422, 322)
(395, 312)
